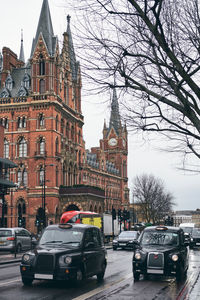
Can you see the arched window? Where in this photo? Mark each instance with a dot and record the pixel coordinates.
(62, 126)
(64, 176)
(57, 146)
(23, 122)
(25, 177)
(72, 133)
(41, 65)
(19, 177)
(6, 123)
(42, 146)
(22, 148)
(42, 86)
(56, 123)
(41, 120)
(19, 122)
(6, 149)
(41, 175)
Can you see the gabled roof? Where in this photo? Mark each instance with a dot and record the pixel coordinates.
(45, 28)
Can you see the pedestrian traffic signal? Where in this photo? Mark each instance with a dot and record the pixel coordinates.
(37, 221)
(113, 213)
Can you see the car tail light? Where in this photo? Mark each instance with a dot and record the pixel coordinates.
(11, 238)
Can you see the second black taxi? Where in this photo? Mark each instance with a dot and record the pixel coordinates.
(161, 250)
(66, 252)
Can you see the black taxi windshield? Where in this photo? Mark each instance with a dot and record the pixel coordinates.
(159, 238)
(61, 237)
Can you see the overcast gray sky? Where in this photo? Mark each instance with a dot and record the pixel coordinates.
(142, 157)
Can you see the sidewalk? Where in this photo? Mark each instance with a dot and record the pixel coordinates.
(8, 258)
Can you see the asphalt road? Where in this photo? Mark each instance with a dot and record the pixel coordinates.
(117, 285)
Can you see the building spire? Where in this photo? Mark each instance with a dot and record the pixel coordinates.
(21, 55)
(45, 28)
(72, 56)
(115, 120)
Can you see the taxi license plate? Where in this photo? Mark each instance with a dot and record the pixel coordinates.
(122, 244)
(197, 244)
(43, 276)
(154, 271)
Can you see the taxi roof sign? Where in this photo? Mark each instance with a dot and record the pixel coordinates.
(161, 228)
(65, 226)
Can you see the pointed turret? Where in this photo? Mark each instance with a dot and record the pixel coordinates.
(21, 55)
(73, 63)
(115, 120)
(45, 28)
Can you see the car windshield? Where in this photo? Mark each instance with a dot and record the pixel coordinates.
(159, 238)
(61, 237)
(187, 229)
(5, 232)
(196, 231)
(129, 234)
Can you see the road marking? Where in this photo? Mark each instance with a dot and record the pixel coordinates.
(103, 288)
(9, 282)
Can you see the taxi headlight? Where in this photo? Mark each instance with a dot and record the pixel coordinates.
(68, 260)
(174, 257)
(137, 255)
(26, 258)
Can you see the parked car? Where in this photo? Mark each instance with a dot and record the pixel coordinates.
(15, 239)
(126, 239)
(66, 252)
(195, 237)
(162, 250)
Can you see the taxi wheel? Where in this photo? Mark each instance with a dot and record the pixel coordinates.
(114, 248)
(136, 276)
(27, 281)
(100, 276)
(181, 274)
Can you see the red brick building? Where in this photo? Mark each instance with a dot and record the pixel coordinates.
(40, 109)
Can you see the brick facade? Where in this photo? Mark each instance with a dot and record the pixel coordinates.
(40, 108)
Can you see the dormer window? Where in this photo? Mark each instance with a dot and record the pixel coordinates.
(41, 65)
(9, 82)
(27, 81)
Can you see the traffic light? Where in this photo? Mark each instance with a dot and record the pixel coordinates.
(113, 213)
(119, 213)
(20, 223)
(37, 221)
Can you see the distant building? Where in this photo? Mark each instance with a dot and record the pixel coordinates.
(186, 216)
(40, 109)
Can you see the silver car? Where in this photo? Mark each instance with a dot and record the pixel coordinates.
(15, 239)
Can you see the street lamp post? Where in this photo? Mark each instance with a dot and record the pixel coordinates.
(44, 193)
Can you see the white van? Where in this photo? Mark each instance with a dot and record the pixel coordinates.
(187, 227)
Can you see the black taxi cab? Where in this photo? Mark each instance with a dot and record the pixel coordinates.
(161, 250)
(65, 252)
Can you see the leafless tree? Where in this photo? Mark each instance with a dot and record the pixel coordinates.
(152, 199)
(151, 48)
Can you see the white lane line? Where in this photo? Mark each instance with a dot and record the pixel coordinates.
(9, 282)
(100, 289)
